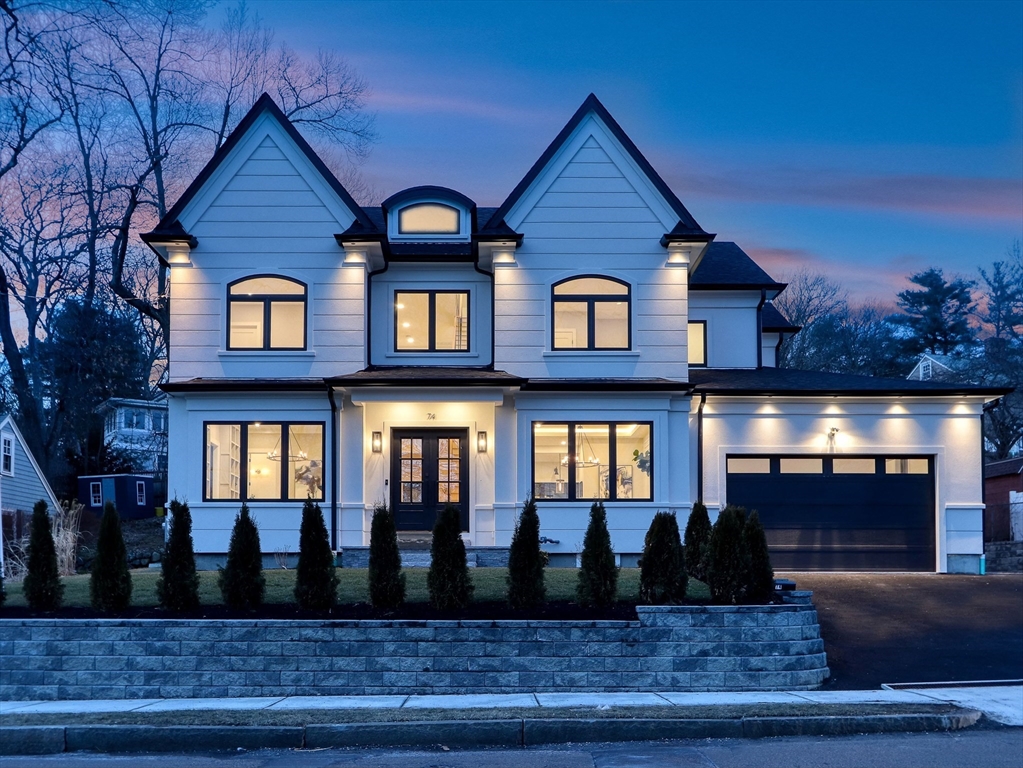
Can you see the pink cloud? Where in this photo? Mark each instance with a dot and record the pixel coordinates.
(421, 103)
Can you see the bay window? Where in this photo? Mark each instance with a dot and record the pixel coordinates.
(587, 460)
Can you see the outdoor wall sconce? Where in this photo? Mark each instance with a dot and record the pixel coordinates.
(377, 442)
(832, 432)
(481, 442)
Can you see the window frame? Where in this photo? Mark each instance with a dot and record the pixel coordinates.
(95, 493)
(423, 235)
(591, 300)
(706, 355)
(612, 458)
(267, 300)
(7, 454)
(432, 293)
(140, 493)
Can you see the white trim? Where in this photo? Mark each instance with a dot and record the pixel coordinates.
(6, 439)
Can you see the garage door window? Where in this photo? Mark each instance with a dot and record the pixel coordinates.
(906, 466)
(749, 466)
(802, 466)
(854, 466)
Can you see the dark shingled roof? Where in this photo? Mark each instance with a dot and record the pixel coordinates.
(789, 381)
(726, 266)
(246, 385)
(606, 385)
(1004, 467)
(425, 376)
(773, 320)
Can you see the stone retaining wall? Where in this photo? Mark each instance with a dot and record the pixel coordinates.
(670, 648)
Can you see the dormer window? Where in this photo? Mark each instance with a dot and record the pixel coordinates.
(429, 219)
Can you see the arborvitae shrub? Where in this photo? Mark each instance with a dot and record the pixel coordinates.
(178, 585)
(241, 581)
(525, 561)
(729, 563)
(697, 542)
(662, 573)
(3, 594)
(43, 587)
(448, 580)
(598, 574)
(316, 578)
(386, 581)
(761, 575)
(110, 583)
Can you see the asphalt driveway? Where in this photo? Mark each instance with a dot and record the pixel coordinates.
(917, 628)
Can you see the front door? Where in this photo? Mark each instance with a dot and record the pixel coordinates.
(429, 470)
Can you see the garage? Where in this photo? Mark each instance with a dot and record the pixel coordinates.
(840, 513)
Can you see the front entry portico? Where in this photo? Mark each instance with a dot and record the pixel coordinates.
(429, 470)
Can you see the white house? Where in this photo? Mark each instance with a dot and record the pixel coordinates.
(586, 340)
(139, 428)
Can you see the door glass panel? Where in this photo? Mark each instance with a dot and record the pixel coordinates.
(412, 314)
(611, 325)
(412, 470)
(802, 466)
(246, 325)
(592, 461)
(550, 461)
(854, 466)
(570, 329)
(906, 466)
(287, 325)
(264, 449)
(635, 461)
(452, 322)
(305, 461)
(448, 470)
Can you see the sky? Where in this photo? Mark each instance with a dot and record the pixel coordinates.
(865, 140)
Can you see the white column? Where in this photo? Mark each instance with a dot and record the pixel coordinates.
(505, 480)
(351, 498)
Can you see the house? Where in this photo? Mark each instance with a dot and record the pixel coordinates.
(131, 494)
(586, 339)
(934, 367)
(138, 429)
(1000, 479)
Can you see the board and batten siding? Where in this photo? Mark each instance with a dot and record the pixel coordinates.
(271, 213)
(591, 220)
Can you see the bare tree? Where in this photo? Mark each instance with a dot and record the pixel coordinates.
(809, 298)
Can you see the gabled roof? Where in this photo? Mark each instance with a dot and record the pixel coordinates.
(1003, 467)
(687, 227)
(8, 423)
(170, 230)
(725, 266)
(771, 319)
(790, 381)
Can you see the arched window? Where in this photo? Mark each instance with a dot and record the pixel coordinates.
(266, 312)
(429, 219)
(591, 313)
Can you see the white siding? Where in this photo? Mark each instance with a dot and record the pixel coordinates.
(731, 318)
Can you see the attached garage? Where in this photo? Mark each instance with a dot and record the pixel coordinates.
(840, 513)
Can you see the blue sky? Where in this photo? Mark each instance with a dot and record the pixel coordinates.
(869, 140)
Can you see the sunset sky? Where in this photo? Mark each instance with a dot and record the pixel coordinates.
(868, 140)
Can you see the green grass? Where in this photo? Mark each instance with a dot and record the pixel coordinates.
(490, 586)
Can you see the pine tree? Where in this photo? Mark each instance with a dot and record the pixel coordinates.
(386, 580)
(761, 575)
(316, 578)
(662, 576)
(43, 587)
(697, 542)
(939, 313)
(598, 574)
(525, 561)
(110, 583)
(448, 580)
(728, 565)
(178, 585)
(241, 581)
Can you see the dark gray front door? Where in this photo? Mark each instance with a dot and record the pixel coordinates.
(429, 470)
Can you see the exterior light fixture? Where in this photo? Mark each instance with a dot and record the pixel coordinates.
(378, 442)
(481, 442)
(832, 432)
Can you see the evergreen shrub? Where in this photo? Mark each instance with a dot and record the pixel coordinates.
(761, 582)
(662, 573)
(241, 581)
(178, 585)
(598, 574)
(526, 561)
(448, 580)
(386, 580)
(110, 583)
(697, 542)
(728, 565)
(43, 588)
(316, 578)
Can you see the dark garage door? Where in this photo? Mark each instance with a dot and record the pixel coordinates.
(840, 513)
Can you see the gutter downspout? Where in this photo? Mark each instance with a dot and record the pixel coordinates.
(760, 328)
(699, 448)
(334, 466)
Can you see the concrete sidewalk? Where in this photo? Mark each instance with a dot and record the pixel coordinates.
(1003, 704)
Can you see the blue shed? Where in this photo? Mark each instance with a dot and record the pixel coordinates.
(131, 494)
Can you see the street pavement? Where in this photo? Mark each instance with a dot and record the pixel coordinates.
(958, 749)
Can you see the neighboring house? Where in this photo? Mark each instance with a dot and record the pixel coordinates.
(934, 367)
(131, 494)
(1000, 478)
(586, 340)
(138, 428)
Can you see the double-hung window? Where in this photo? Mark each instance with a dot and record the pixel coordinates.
(140, 493)
(96, 494)
(591, 313)
(593, 460)
(266, 313)
(263, 461)
(431, 321)
(7, 454)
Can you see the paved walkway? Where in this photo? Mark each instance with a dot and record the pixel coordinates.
(1003, 704)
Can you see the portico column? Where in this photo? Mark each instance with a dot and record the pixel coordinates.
(352, 443)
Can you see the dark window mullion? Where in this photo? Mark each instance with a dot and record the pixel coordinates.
(285, 459)
(266, 323)
(571, 461)
(243, 463)
(432, 322)
(612, 474)
(591, 323)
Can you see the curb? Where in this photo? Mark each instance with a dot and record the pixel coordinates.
(43, 740)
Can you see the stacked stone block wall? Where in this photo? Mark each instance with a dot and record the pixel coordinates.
(672, 648)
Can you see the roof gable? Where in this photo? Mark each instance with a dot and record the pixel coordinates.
(7, 424)
(265, 120)
(593, 128)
